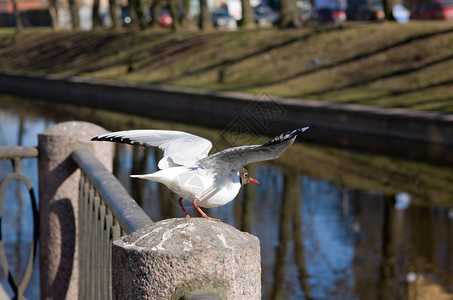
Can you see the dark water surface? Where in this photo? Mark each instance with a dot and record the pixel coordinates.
(333, 224)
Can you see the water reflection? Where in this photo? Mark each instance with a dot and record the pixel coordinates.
(321, 236)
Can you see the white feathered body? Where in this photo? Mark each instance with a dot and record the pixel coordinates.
(194, 182)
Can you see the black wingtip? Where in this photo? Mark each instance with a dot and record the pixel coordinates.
(118, 139)
(101, 138)
(296, 131)
(286, 136)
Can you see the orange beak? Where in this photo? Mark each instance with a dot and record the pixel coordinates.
(253, 180)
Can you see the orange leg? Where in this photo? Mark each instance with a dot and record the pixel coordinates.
(182, 207)
(202, 212)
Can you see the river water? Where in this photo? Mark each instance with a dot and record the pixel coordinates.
(333, 223)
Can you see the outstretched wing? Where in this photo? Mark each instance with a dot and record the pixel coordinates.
(180, 148)
(233, 159)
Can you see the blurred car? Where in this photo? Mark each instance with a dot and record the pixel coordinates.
(165, 19)
(365, 11)
(328, 15)
(433, 9)
(266, 16)
(222, 19)
(125, 18)
(305, 10)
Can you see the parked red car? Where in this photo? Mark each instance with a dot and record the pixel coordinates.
(165, 20)
(433, 9)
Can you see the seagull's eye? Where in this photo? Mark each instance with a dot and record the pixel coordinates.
(246, 175)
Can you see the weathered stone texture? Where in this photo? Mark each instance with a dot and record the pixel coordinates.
(187, 257)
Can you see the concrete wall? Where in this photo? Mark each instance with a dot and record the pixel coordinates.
(261, 114)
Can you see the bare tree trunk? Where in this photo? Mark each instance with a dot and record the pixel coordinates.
(205, 16)
(248, 20)
(96, 21)
(288, 9)
(53, 11)
(74, 8)
(155, 13)
(388, 6)
(132, 13)
(17, 18)
(140, 13)
(114, 14)
(174, 14)
(184, 20)
(136, 14)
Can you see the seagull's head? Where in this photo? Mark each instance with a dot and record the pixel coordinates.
(245, 177)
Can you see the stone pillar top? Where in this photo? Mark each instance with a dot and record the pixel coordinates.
(57, 142)
(75, 129)
(187, 258)
(188, 234)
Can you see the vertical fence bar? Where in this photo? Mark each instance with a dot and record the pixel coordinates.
(95, 244)
(106, 217)
(107, 258)
(92, 240)
(101, 268)
(98, 229)
(82, 234)
(94, 226)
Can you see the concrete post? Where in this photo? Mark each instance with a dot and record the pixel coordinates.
(187, 258)
(58, 204)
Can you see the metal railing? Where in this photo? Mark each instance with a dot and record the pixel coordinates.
(106, 212)
(15, 154)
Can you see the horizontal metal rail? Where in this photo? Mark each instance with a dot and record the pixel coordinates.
(129, 214)
(11, 152)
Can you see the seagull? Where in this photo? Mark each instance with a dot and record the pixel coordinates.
(188, 170)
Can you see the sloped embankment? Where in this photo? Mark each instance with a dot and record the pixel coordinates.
(389, 64)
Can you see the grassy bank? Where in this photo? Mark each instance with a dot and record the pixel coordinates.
(387, 64)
